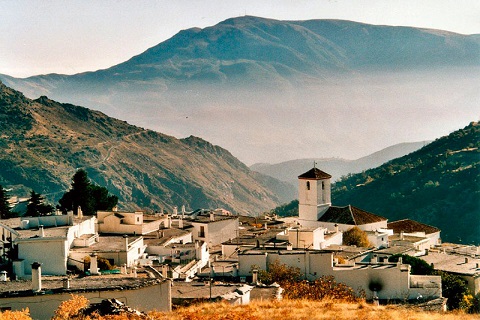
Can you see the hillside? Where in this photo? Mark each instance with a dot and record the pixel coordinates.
(44, 142)
(286, 89)
(288, 171)
(438, 185)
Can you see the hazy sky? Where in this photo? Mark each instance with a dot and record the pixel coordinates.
(61, 36)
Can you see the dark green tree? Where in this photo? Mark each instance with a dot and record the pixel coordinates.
(5, 211)
(419, 266)
(36, 206)
(87, 196)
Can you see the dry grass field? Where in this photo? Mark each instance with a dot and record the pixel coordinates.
(265, 310)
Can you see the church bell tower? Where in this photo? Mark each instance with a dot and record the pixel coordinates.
(313, 194)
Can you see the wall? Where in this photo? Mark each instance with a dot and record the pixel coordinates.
(50, 252)
(217, 231)
(155, 297)
(246, 261)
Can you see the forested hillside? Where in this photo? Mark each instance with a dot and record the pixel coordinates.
(437, 185)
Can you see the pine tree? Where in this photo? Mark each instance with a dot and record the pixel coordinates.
(36, 206)
(89, 197)
(5, 211)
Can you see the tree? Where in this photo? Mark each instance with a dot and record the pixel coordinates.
(5, 211)
(419, 266)
(279, 273)
(36, 207)
(86, 195)
(356, 237)
(455, 289)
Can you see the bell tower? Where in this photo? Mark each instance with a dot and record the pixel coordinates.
(313, 194)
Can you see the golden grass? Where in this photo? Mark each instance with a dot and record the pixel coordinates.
(305, 310)
(272, 310)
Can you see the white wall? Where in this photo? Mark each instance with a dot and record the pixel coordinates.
(50, 252)
(217, 231)
(154, 297)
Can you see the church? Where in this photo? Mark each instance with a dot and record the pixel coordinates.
(315, 207)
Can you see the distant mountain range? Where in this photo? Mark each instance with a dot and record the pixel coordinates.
(288, 171)
(44, 142)
(270, 82)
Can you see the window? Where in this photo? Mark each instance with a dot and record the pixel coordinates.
(308, 185)
(323, 186)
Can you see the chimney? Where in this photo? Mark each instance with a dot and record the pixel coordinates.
(402, 237)
(3, 275)
(336, 228)
(169, 222)
(180, 223)
(265, 226)
(66, 283)
(164, 270)
(94, 264)
(289, 247)
(183, 211)
(374, 259)
(36, 277)
(254, 276)
(175, 211)
(466, 260)
(115, 209)
(41, 232)
(126, 242)
(400, 262)
(79, 212)
(212, 216)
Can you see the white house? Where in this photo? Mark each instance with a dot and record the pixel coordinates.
(409, 227)
(214, 229)
(46, 240)
(133, 223)
(392, 281)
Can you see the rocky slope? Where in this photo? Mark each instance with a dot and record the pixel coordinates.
(44, 142)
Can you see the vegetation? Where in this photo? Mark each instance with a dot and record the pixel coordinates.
(143, 168)
(36, 206)
(431, 185)
(287, 210)
(453, 287)
(356, 237)
(5, 211)
(257, 310)
(289, 278)
(89, 197)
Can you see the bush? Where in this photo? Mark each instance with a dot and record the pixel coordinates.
(356, 237)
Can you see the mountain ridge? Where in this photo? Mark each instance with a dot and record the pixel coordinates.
(145, 169)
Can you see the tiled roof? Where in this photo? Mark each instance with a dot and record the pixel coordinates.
(349, 215)
(314, 173)
(410, 226)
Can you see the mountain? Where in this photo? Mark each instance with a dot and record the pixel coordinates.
(285, 86)
(438, 185)
(289, 171)
(44, 142)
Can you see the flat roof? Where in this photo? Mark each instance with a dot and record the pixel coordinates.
(453, 263)
(54, 284)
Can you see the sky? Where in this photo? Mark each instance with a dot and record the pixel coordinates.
(60, 36)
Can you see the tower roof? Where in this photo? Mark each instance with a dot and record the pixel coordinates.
(315, 173)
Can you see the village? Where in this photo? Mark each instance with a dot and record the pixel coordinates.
(161, 260)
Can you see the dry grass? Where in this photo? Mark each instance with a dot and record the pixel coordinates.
(270, 310)
(305, 310)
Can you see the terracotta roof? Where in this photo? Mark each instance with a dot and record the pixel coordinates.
(349, 215)
(410, 226)
(315, 173)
